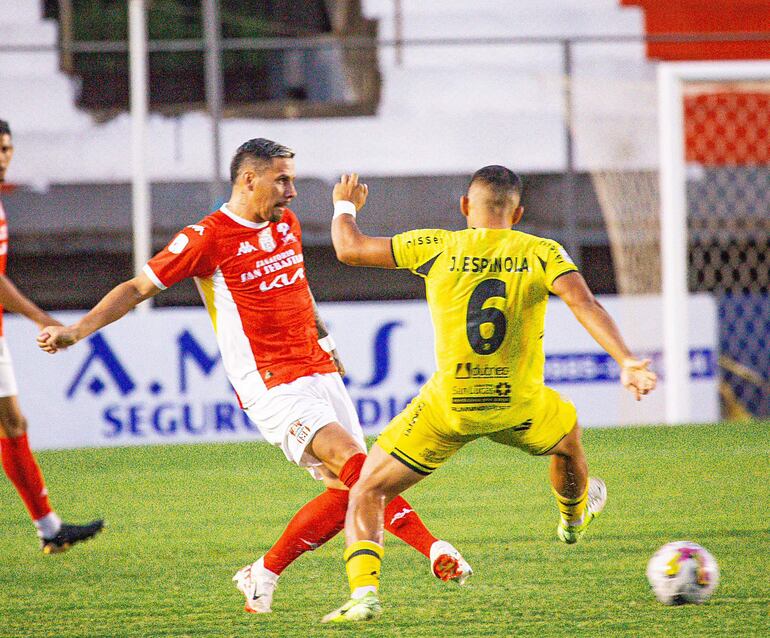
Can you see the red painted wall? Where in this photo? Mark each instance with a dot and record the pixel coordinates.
(705, 17)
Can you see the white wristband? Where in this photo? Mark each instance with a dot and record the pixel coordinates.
(327, 343)
(344, 207)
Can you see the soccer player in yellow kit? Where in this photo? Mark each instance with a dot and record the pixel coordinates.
(487, 287)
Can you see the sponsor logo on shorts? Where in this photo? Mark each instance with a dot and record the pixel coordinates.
(299, 431)
(415, 415)
(433, 456)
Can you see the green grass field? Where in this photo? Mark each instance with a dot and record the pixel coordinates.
(183, 519)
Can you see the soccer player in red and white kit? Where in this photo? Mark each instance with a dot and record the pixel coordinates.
(18, 462)
(247, 262)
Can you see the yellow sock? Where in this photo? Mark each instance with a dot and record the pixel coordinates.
(572, 509)
(362, 562)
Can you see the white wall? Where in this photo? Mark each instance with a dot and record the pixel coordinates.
(443, 110)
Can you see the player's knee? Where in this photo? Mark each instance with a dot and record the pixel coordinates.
(368, 487)
(13, 424)
(570, 445)
(334, 446)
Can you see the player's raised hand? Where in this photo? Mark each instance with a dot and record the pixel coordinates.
(349, 189)
(637, 378)
(54, 338)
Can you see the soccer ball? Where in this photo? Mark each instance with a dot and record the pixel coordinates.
(681, 573)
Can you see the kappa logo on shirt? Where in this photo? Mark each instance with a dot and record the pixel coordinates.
(266, 240)
(245, 248)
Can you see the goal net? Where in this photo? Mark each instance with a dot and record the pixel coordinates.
(707, 208)
(727, 150)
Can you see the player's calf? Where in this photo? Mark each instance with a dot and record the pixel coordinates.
(595, 499)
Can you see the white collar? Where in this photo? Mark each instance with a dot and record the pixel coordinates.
(241, 220)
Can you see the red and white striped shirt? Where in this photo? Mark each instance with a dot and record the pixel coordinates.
(251, 277)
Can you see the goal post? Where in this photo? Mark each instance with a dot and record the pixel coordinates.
(749, 148)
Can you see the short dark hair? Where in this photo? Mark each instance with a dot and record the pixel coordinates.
(258, 149)
(5, 128)
(503, 181)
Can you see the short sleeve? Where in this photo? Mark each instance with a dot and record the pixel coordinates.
(416, 248)
(189, 254)
(555, 261)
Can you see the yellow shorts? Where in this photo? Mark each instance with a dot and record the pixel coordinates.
(421, 439)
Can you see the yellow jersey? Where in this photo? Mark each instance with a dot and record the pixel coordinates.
(487, 291)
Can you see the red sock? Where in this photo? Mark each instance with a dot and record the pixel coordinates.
(24, 473)
(315, 523)
(400, 519)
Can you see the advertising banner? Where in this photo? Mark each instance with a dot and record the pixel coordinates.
(158, 378)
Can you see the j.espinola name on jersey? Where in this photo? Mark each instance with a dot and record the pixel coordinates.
(251, 278)
(464, 263)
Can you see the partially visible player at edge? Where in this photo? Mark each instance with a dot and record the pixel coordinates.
(487, 288)
(247, 262)
(18, 462)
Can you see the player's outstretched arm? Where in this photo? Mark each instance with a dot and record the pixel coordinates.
(11, 298)
(350, 244)
(635, 375)
(112, 307)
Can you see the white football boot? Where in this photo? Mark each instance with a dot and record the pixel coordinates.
(448, 564)
(257, 584)
(597, 499)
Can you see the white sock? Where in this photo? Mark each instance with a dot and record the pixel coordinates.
(48, 526)
(360, 592)
(265, 572)
(576, 523)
